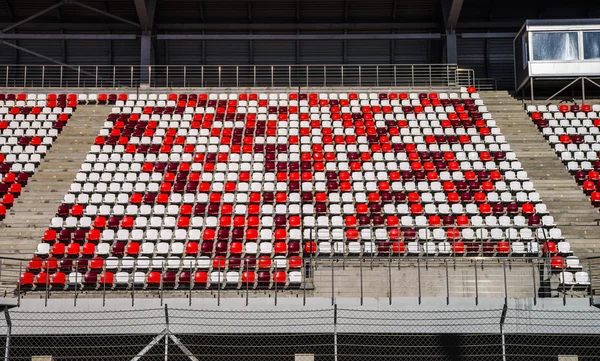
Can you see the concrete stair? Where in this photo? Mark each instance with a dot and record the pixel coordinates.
(26, 221)
(565, 199)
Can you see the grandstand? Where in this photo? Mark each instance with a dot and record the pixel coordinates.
(228, 180)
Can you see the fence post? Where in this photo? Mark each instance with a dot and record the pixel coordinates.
(505, 286)
(167, 333)
(447, 283)
(332, 285)
(502, 319)
(419, 276)
(476, 286)
(8, 334)
(335, 341)
(533, 279)
(591, 286)
(390, 278)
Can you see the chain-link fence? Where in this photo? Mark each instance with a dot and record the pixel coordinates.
(329, 333)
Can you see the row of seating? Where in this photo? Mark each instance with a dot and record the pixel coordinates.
(573, 138)
(299, 175)
(458, 246)
(196, 280)
(26, 135)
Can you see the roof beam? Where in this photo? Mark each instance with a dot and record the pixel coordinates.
(91, 8)
(38, 14)
(145, 11)
(25, 50)
(9, 10)
(512, 25)
(69, 36)
(297, 36)
(451, 10)
(201, 10)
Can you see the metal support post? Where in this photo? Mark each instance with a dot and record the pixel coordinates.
(502, 319)
(8, 334)
(335, 340)
(145, 59)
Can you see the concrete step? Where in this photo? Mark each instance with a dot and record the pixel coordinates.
(27, 220)
(566, 202)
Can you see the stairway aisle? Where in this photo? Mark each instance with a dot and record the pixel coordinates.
(565, 199)
(26, 221)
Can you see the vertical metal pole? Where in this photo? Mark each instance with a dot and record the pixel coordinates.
(377, 75)
(447, 283)
(275, 290)
(419, 277)
(185, 75)
(359, 75)
(304, 283)
(395, 76)
(342, 75)
(332, 285)
(8, 334)
(412, 75)
(167, 333)
(114, 76)
(290, 76)
(272, 75)
(219, 287)
(531, 85)
(237, 76)
(254, 76)
(191, 285)
(167, 77)
(307, 75)
(247, 283)
(590, 286)
(201, 75)
(361, 282)
(7, 71)
(324, 75)
(43, 74)
(133, 287)
(25, 77)
(505, 285)
(61, 75)
(502, 319)
(219, 76)
(564, 287)
(583, 90)
(534, 286)
(96, 85)
(19, 284)
(430, 80)
(476, 285)
(390, 279)
(335, 340)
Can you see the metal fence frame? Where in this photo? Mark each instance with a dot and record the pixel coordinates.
(329, 333)
(184, 76)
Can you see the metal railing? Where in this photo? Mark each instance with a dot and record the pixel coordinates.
(419, 76)
(387, 277)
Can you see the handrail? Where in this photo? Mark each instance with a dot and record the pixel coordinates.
(428, 76)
